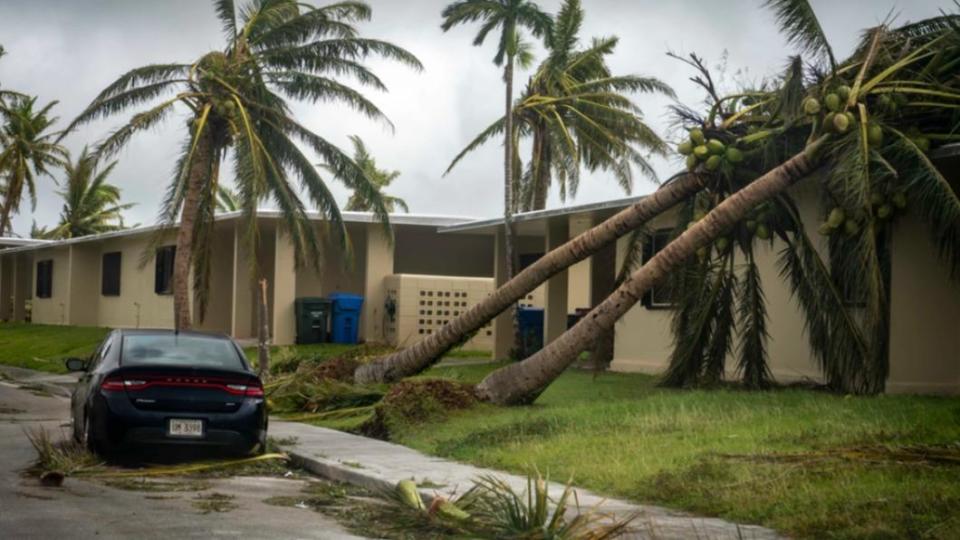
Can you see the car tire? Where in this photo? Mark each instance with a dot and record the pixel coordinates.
(87, 439)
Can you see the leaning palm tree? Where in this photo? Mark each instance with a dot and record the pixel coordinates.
(28, 149)
(90, 204)
(236, 100)
(510, 17)
(578, 114)
(873, 166)
(379, 177)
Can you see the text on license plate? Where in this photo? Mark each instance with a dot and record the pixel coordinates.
(185, 428)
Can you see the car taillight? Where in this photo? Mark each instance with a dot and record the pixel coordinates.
(254, 390)
(134, 384)
(112, 385)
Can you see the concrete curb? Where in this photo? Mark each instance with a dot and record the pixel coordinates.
(378, 466)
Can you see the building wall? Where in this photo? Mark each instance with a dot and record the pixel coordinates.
(85, 284)
(925, 315)
(220, 305)
(425, 303)
(137, 306)
(644, 341)
(578, 275)
(56, 309)
(421, 250)
(6, 287)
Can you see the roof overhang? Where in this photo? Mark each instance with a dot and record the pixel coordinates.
(534, 223)
(428, 220)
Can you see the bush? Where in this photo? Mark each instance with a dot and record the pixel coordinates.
(417, 401)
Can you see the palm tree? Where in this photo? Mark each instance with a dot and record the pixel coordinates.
(578, 114)
(227, 200)
(91, 205)
(866, 170)
(424, 353)
(27, 150)
(379, 177)
(510, 16)
(236, 98)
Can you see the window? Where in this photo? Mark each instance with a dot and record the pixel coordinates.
(659, 296)
(45, 279)
(179, 350)
(110, 274)
(163, 276)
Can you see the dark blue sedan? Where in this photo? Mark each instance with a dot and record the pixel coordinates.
(158, 387)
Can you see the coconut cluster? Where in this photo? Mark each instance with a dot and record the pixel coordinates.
(833, 111)
(712, 153)
(883, 206)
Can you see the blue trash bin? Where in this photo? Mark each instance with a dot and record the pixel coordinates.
(530, 326)
(346, 317)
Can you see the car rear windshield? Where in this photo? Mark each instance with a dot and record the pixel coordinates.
(179, 350)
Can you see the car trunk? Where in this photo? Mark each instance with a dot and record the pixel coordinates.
(177, 389)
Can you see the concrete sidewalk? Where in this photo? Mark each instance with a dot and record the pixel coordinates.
(58, 385)
(377, 464)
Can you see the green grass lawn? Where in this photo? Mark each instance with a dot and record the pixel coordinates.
(788, 459)
(43, 347)
(773, 458)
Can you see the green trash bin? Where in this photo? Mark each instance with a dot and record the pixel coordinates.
(313, 320)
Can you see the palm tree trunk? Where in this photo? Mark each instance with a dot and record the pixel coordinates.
(426, 352)
(197, 177)
(508, 233)
(523, 382)
(14, 188)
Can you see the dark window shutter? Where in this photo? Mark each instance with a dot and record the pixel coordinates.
(44, 279)
(110, 274)
(163, 275)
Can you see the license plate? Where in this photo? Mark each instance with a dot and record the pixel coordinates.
(185, 428)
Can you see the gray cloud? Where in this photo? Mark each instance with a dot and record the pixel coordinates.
(69, 50)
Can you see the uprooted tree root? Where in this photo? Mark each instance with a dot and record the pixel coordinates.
(917, 454)
(415, 401)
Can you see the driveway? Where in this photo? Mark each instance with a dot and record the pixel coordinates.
(216, 507)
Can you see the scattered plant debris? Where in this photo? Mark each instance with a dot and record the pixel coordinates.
(214, 502)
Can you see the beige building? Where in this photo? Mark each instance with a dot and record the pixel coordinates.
(437, 267)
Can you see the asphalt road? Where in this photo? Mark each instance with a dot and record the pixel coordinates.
(88, 509)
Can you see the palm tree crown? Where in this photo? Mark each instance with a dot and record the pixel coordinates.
(275, 50)
(91, 205)
(27, 149)
(380, 177)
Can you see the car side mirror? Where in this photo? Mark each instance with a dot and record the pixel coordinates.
(76, 364)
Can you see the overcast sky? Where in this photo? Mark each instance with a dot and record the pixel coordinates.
(69, 50)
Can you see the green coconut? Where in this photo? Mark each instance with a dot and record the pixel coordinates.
(713, 163)
(692, 162)
(715, 147)
(763, 232)
(884, 211)
(702, 253)
(851, 227)
(886, 103)
(685, 148)
(722, 243)
(899, 200)
(875, 135)
(407, 490)
(922, 143)
(696, 136)
(825, 229)
(844, 92)
(701, 152)
(733, 155)
(751, 225)
(836, 217)
(841, 123)
(833, 102)
(811, 106)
